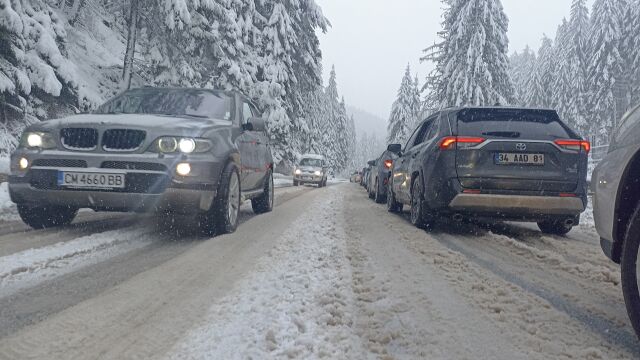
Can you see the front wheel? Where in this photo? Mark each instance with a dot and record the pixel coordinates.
(629, 268)
(264, 203)
(377, 196)
(222, 218)
(48, 216)
(419, 217)
(392, 205)
(555, 227)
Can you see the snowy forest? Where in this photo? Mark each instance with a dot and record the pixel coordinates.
(590, 72)
(60, 57)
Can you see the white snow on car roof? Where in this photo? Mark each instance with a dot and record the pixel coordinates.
(312, 156)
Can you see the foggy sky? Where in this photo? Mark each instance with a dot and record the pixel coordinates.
(371, 41)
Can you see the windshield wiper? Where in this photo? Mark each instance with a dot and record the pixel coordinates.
(505, 134)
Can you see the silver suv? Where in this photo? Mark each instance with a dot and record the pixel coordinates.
(187, 151)
(617, 207)
(312, 169)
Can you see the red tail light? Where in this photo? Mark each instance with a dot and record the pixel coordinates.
(574, 145)
(450, 142)
(388, 164)
(567, 195)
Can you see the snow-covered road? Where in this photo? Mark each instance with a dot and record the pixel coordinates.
(329, 274)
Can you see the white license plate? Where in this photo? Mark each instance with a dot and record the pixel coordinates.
(91, 180)
(519, 159)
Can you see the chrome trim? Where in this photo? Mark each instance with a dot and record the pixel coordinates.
(489, 141)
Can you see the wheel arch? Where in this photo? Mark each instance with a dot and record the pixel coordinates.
(627, 201)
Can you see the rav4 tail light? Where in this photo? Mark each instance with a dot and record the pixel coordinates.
(388, 164)
(574, 145)
(462, 142)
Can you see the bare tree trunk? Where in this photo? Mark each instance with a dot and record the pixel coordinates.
(132, 37)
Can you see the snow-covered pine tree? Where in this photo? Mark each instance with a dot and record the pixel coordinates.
(522, 66)
(404, 111)
(606, 67)
(330, 137)
(472, 66)
(579, 29)
(631, 49)
(539, 92)
(562, 83)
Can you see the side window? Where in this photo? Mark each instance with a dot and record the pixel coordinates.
(423, 132)
(435, 129)
(412, 139)
(246, 112)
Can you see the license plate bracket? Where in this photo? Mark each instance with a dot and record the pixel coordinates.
(91, 180)
(519, 159)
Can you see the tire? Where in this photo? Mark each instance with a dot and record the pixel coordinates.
(48, 216)
(419, 217)
(628, 266)
(377, 196)
(392, 205)
(222, 218)
(264, 203)
(371, 196)
(295, 183)
(554, 227)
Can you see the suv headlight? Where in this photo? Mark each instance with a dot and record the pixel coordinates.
(37, 140)
(318, 173)
(298, 172)
(172, 144)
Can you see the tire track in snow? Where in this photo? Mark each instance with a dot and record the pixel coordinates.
(605, 328)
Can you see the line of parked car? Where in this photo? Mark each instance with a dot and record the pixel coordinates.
(517, 164)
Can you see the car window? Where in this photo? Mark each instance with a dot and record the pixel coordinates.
(311, 162)
(412, 139)
(247, 113)
(513, 124)
(434, 129)
(423, 130)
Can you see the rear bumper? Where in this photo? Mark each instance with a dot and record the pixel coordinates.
(517, 205)
(184, 201)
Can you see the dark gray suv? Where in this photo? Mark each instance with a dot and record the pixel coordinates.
(187, 151)
(379, 178)
(495, 162)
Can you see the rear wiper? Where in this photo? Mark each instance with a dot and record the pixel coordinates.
(505, 134)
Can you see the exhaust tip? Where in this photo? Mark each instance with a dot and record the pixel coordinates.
(457, 217)
(569, 222)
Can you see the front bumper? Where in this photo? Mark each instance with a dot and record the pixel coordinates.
(151, 181)
(517, 205)
(308, 179)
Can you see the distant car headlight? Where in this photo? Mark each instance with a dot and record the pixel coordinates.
(298, 172)
(37, 140)
(317, 173)
(172, 144)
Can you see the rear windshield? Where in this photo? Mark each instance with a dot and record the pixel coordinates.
(513, 124)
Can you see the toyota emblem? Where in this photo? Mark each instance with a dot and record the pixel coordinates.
(521, 147)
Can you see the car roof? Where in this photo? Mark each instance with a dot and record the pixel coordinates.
(458, 108)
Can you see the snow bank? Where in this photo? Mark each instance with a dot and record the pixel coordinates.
(31, 267)
(4, 165)
(280, 180)
(8, 210)
(297, 304)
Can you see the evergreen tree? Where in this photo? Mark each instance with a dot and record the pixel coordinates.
(578, 54)
(540, 89)
(606, 66)
(472, 66)
(631, 50)
(521, 70)
(562, 86)
(404, 112)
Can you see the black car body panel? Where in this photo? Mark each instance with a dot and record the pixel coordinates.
(467, 178)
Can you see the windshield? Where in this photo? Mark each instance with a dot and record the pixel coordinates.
(203, 104)
(311, 162)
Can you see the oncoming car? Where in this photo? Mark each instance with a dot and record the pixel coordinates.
(312, 169)
(186, 151)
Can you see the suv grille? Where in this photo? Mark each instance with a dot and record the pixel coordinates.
(60, 163)
(79, 138)
(127, 165)
(122, 139)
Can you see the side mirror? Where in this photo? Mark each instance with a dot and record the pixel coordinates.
(371, 163)
(395, 148)
(255, 124)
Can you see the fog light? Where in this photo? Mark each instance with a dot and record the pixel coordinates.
(183, 169)
(23, 163)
